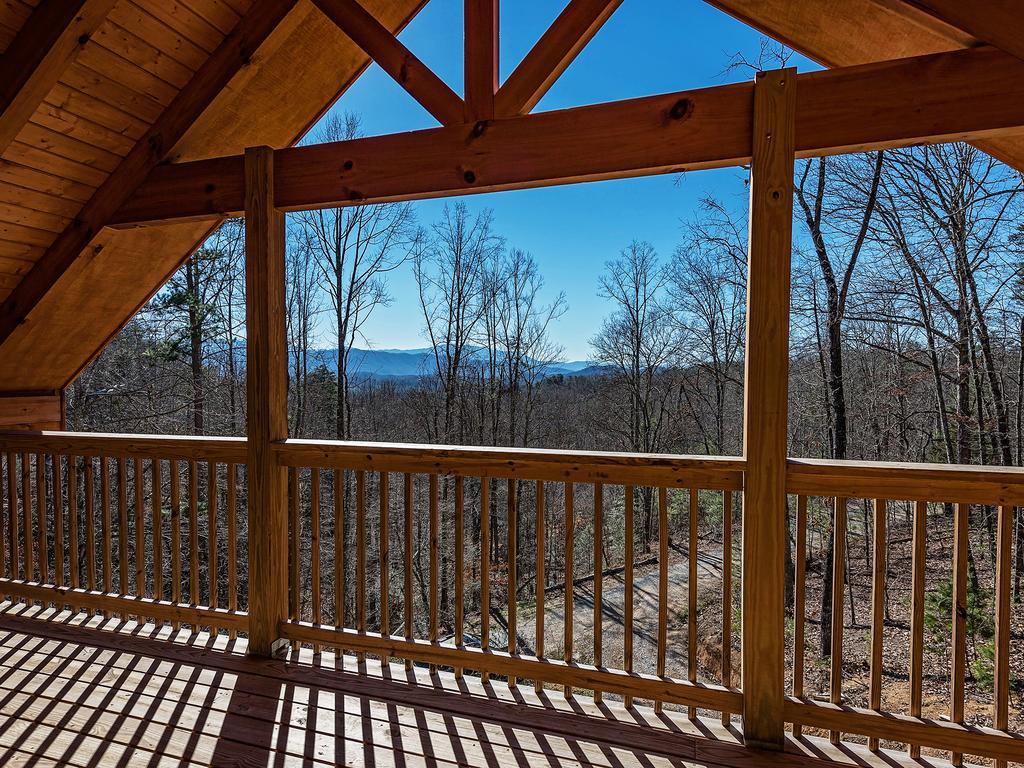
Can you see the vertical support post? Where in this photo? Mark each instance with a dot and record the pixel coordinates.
(267, 393)
(765, 407)
(481, 58)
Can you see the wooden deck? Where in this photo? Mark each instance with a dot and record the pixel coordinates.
(81, 691)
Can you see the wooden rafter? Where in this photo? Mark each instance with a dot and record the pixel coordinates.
(229, 58)
(966, 94)
(31, 66)
(997, 22)
(553, 53)
(395, 59)
(861, 31)
(481, 21)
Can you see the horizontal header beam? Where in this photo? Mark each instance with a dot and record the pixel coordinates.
(960, 95)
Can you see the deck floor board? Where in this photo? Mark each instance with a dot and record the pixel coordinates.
(87, 691)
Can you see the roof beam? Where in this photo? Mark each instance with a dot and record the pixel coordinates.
(997, 22)
(575, 26)
(966, 94)
(35, 59)
(223, 64)
(394, 58)
(481, 62)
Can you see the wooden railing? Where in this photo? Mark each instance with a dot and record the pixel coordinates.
(464, 511)
(134, 526)
(937, 502)
(416, 553)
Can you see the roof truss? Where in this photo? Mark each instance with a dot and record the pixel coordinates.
(553, 53)
(968, 94)
(394, 58)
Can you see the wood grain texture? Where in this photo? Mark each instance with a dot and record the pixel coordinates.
(766, 406)
(180, 114)
(481, 58)
(267, 399)
(30, 412)
(969, 94)
(516, 463)
(272, 100)
(394, 58)
(34, 61)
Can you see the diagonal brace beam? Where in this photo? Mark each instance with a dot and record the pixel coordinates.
(551, 56)
(395, 59)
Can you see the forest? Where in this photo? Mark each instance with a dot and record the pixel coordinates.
(906, 344)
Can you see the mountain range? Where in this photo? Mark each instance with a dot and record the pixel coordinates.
(410, 363)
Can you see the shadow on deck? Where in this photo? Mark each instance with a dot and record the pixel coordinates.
(84, 691)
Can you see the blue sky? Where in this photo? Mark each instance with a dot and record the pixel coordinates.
(648, 47)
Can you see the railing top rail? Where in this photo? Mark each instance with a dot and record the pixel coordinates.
(719, 473)
(906, 481)
(187, 448)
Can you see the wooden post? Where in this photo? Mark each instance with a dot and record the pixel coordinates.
(765, 407)
(267, 392)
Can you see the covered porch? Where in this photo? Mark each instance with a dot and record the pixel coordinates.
(191, 600)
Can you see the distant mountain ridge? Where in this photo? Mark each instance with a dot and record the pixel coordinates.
(405, 363)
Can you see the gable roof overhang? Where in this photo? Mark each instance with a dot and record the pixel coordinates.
(293, 77)
(296, 74)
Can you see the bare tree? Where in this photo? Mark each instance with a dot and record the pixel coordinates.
(354, 249)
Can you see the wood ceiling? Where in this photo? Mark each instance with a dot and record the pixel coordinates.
(95, 92)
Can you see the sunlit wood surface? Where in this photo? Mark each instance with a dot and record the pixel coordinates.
(77, 691)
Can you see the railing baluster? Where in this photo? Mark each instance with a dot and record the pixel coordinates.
(627, 589)
(1001, 687)
(4, 472)
(175, 481)
(663, 586)
(44, 555)
(838, 580)
(569, 612)
(90, 525)
(384, 554)
(726, 597)
(26, 514)
(598, 537)
(959, 666)
(212, 504)
(361, 553)
(294, 566)
(435, 559)
(485, 568)
(105, 526)
(513, 603)
(407, 541)
(140, 529)
(799, 601)
(58, 520)
(691, 590)
(877, 611)
(338, 478)
(920, 543)
(460, 566)
(314, 548)
(74, 575)
(193, 532)
(122, 525)
(540, 582)
(232, 521)
(12, 514)
(158, 530)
